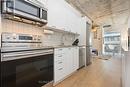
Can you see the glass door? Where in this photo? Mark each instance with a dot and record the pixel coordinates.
(28, 72)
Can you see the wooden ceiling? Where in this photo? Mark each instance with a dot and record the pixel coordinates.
(104, 11)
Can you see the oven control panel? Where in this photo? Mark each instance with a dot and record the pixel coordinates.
(21, 41)
(13, 37)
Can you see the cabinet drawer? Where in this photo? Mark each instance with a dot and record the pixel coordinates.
(58, 71)
(58, 74)
(58, 57)
(58, 51)
(59, 64)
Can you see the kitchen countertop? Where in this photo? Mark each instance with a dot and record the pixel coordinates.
(63, 46)
(36, 48)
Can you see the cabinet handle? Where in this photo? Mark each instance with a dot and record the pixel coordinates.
(60, 62)
(60, 56)
(60, 69)
(60, 49)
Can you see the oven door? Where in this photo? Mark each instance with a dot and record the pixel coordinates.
(34, 71)
(23, 8)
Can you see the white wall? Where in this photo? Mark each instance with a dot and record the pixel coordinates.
(124, 35)
(126, 70)
(129, 22)
(97, 42)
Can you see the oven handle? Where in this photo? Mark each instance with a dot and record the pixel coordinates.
(20, 55)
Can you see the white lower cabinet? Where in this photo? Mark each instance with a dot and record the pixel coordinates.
(75, 58)
(59, 71)
(66, 61)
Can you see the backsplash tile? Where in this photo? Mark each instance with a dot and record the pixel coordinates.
(48, 39)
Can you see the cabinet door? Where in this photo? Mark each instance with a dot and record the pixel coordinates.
(56, 14)
(127, 67)
(82, 32)
(62, 16)
(68, 19)
(75, 58)
(73, 19)
(69, 61)
(72, 22)
(66, 61)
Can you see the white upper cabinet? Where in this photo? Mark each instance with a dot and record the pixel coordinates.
(73, 19)
(56, 14)
(43, 2)
(62, 16)
(82, 32)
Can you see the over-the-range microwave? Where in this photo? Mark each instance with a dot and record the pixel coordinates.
(29, 9)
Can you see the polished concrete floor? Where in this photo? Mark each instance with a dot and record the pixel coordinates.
(101, 73)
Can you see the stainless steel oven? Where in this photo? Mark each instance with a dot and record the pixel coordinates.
(29, 9)
(24, 62)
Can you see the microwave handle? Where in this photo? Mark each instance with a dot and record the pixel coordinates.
(3, 6)
(40, 13)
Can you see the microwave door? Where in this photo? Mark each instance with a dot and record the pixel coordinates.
(26, 9)
(22, 8)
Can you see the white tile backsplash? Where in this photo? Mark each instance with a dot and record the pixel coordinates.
(54, 39)
(48, 39)
(17, 27)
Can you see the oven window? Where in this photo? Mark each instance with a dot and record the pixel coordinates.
(25, 7)
(29, 72)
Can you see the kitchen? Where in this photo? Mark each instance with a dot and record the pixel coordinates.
(44, 42)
